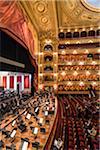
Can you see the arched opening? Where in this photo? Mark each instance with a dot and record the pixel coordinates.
(83, 34)
(68, 35)
(91, 33)
(48, 47)
(61, 35)
(48, 58)
(76, 34)
(98, 32)
(48, 68)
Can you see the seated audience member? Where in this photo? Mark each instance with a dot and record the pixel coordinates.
(88, 124)
(87, 113)
(58, 143)
(93, 132)
(67, 107)
(78, 110)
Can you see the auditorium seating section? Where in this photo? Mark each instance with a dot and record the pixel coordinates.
(73, 57)
(39, 121)
(80, 67)
(77, 135)
(79, 77)
(75, 87)
(78, 70)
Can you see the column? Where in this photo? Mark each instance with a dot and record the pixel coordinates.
(29, 81)
(1, 80)
(15, 82)
(8, 82)
(22, 82)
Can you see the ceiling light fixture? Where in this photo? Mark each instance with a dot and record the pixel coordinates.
(81, 63)
(87, 73)
(48, 41)
(68, 30)
(86, 51)
(40, 74)
(61, 30)
(94, 62)
(83, 29)
(74, 52)
(76, 30)
(69, 63)
(55, 86)
(90, 41)
(91, 28)
(55, 74)
(69, 83)
(81, 83)
(63, 52)
(94, 83)
(41, 86)
(75, 73)
(63, 73)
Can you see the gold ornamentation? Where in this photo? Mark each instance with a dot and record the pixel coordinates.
(44, 19)
(40, 7)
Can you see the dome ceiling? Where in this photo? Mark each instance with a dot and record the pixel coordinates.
(93, 3)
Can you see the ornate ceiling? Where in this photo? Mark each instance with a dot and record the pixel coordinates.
(42, 15)
(34, 20)
(73, 13)
(48, 16)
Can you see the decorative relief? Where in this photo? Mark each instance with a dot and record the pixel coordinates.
(73, 13)
(40, 7)
(47, 35)
(69, 4)
(89, 17)
(66, 20)
(78, 11)
(44, 19)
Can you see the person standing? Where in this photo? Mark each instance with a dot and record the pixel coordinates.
(91, 91)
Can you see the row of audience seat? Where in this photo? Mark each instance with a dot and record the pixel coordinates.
(82, 113)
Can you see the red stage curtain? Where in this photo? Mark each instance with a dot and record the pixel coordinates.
(11, 82)
(13, 19)
(19, 79)
(4, 81)
(26, 81)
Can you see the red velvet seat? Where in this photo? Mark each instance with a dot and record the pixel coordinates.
(70, 138)
(82, 145)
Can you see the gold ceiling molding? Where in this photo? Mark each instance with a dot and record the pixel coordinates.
(72, 13)
(40, 6)
(52, 15)
(49, 35)
(75, 41)
(49, 16)
(43, 14)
